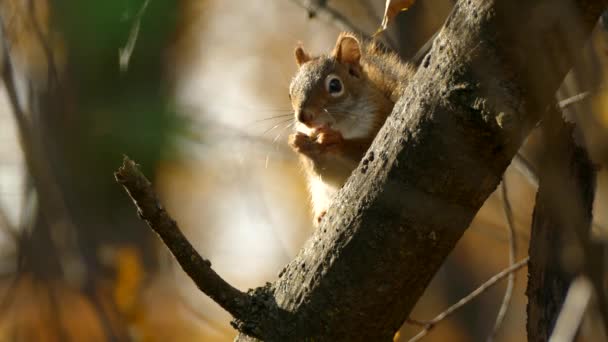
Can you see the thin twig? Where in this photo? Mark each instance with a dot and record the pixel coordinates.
(371, 12)
(525, 167)
(150, 210)
(49, 193)
(429, 325)
(424, 50)
(506, 299)
(329, 15)
(412, 321)
(592, 327)
(573, 310)
(565, 103)
(53, 73)
(124, 53)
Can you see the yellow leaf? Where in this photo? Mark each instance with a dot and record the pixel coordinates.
(129, 277)
(393, 7)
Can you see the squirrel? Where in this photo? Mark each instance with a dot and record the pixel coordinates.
(340, 102)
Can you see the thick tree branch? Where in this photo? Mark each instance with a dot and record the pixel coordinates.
(560, 244)
(140, 190)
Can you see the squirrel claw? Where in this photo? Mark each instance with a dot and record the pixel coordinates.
(321, 142)
(301, 142)
(329, 137)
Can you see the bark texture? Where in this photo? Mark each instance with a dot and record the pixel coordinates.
(494, 66)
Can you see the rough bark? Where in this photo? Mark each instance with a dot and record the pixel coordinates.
(438, 157)
(560, 245)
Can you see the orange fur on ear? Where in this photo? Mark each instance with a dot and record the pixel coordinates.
(348, 49)
(301, 56)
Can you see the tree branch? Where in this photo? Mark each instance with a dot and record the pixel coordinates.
(560, 244)
(140, 190)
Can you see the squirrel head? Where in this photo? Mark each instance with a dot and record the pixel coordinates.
(333, 91)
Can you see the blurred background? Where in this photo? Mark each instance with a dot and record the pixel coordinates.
(196, 92)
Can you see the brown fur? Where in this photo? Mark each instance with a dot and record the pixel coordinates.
(337, 129)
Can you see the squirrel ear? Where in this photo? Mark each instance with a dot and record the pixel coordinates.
(348, 49)
(301, 56)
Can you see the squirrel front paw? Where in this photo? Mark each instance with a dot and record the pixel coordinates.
(328, 138)
(322, 141)
(303, 143)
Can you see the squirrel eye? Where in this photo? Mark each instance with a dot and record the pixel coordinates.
(334, 85)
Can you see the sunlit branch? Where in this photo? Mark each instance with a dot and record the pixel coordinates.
(198, 269)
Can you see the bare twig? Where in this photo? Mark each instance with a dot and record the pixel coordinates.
(329, 15)
(573, 310)
(429, 325)
(526, 168)
(53, 73)
(592, 327)
(51, 199)
(506, 299)
(565, 103)
(371, 12)
(140, 190)
(124, 53)
(424, 50)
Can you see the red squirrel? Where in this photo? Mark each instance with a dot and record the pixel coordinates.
(340, 101)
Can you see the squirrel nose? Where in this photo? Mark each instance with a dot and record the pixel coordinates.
(303, 116)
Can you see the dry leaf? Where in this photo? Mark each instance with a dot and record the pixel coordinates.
(393, 7)
(129, 278)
